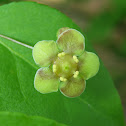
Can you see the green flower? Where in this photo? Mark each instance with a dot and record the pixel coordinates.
(65, 65)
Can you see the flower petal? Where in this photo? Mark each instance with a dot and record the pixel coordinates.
(71, 41)
(73, 87)
(61, 30)
(45, 81)
(44, 52)
(89, 65)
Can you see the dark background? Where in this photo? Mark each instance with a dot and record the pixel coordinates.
(104, 23)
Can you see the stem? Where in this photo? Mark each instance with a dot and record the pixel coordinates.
(15, 41)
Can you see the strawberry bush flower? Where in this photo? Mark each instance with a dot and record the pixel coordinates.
(65, 64)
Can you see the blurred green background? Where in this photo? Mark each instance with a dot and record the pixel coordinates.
(104, 24)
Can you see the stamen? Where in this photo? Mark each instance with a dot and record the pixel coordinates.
(76, 74)
(54, 68)
(75, 59)
(61, 54)
(63, 79)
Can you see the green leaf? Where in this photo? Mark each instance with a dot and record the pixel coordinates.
(29, 23)
(14, 119)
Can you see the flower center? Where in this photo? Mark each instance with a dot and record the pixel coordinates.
(65, 66)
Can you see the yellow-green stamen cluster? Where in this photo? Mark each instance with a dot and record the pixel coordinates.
(61, 54)
(63, 79)
(75, 59)
(66, 66)
(54, 68)
(76, 74)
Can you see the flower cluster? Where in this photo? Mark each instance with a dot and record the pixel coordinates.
(65, 64)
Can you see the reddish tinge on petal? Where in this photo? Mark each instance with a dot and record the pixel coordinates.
(44, 52)
(45, 81)
(73, 87)
(71, 41)
(61, 30)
